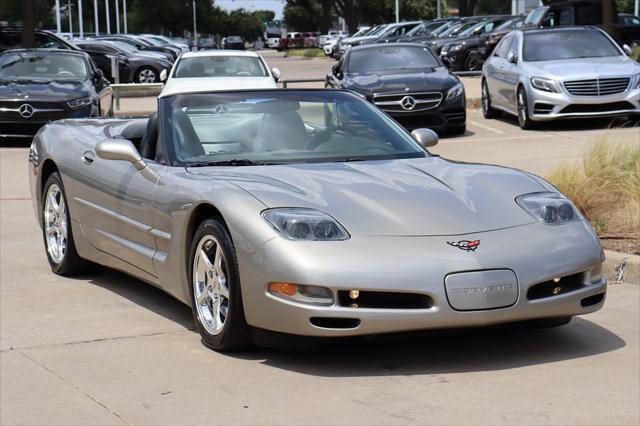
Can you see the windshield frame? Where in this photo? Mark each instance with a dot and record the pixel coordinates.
(166, 147)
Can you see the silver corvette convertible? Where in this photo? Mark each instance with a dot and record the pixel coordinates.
(308, 212)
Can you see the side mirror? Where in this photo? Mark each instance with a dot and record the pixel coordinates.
(98, 74)
(276, 73)
(627, 49)
(425, 137)
(511, 57)
(163, 75)
(120, 149)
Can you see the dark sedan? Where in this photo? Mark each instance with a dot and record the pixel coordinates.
(41, 85)
(139, 44)
(233, 42)
(407, 81)
(136, 66)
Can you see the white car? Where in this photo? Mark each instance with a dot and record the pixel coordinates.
(208, 70)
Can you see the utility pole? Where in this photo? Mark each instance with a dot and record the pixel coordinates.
(117, 16)
(70, 14)
(397, 11)
(95, 14)
(124, 6)
(195, 30)
(636, 8)
(58, 21)
(106, 8)
(80, 18)
(438, 13)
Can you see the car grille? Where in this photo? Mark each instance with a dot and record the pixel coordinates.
(41, 111)
(595, 108)
(407, 102)
(597, 87)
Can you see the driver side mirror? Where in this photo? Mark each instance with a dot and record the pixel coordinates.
(335, 69)
(163, 75)
(512, 58)
(98, 75)
(120, 149)
(627, 49)
(276, 73)
(425, 137)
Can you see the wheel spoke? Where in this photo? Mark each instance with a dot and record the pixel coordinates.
(53, 202)
(208, 266)
(203, 297)
(224, 291)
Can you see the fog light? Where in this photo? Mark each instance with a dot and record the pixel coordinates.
(309, 294)
(353, 294)
(557, 290)
(556, 280)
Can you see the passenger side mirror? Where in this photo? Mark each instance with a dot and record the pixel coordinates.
(98, 74)
(425, 137)
(163, 75)
(512, 58)
(120, 149)
(336, 71)
(276, 73)
(627, 49)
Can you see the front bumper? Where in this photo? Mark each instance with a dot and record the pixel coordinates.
(446, 116)
(547, 106)
(535, 253)
(24, 129)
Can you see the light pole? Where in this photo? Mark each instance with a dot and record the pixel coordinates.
(58, 21)
(95, 15)
(124, 6)
(106, 9)
(438, 12)
(80, 18)
(117, 16)
(636, 8)
(397, 11)
(195, 30)
(70, 14)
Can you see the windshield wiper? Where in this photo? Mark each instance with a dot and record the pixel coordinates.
(233, 162)
(349, 159)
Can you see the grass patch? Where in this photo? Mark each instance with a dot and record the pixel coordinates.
(312, 52)
(606, 188)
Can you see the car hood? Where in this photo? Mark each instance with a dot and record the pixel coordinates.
(586, 68)
(200, 84)
(51, 91)
(424, 196)
(428, 79)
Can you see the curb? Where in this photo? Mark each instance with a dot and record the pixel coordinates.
(631, 268)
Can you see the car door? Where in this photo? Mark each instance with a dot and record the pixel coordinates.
(113, 201)
(495, 71)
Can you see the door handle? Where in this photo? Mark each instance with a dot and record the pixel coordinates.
(88, 157)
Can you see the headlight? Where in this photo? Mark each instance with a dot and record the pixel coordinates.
(455, 92)
(79, 103)
(637, 81)
(549, 207)
(305, 224)
(544, 84)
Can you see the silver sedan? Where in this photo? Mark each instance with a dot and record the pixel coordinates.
(540, 75)
(308, 212)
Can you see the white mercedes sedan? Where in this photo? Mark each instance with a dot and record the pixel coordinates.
(209, 70)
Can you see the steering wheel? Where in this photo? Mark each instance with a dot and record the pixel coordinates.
(323, 135)
(66, 73)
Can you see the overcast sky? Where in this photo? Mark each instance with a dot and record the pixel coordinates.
(275, 5)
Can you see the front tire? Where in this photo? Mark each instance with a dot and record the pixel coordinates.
(56, 229)
(214, 281)
(146, 75)
(524, 119)
(457, 130)
(487, 110)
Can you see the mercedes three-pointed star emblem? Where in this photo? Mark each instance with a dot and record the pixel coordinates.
(26, 111)
(407, 103)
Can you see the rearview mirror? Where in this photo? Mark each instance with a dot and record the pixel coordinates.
(276, 73)
(120, 149)
(163, 75)
(425, 137)
(627, 49)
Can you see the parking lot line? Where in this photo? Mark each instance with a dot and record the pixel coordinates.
(482, 126)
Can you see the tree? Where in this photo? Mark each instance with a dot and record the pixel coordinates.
(11, 11)
(264, 15)
(309, 15)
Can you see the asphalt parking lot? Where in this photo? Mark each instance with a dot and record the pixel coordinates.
(104, 348)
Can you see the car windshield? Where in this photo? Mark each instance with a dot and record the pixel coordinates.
(425, 28)
(281, 127)
(234, 39)
(220, 66)
(455, 29)
(123, 47)
(389, 58)
(567, 45)
(513, 23)
(361, 32)
(38, 66)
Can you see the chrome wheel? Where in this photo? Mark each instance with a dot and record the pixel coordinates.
(210, 286)
(485, 98)
(146, 76)
(55, 223)
(522, 109)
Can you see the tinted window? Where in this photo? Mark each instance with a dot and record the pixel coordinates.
(44, 41)
(631, 20)
(282, 127)
(38, 66)
(220, 66)
(390, 58)
(567, 45)
(535, 16)
(588, 14)
(503, 47)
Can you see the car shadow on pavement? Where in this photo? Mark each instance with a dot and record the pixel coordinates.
(471, 350)
(142, 294)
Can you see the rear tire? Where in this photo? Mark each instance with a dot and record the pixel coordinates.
(487, 110)
(472, 62)
(457, 130)
(56, 229)
(147, 75)
(214, 283)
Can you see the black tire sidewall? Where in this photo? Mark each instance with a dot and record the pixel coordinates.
(236, 333)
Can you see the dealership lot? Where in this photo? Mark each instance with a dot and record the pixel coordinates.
(107, 349)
